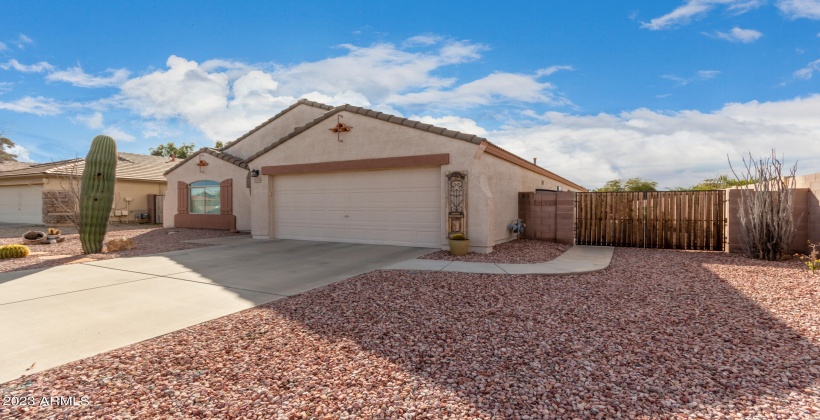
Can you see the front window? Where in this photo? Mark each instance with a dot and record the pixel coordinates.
(204, 197)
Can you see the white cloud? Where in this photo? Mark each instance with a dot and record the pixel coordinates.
(745, 36)
(212, 102)
(223, 98)
(34, 68)
(93, 121)
(36, 106)
(700, 75)
(465, 125)
(806, 72)
(675, 149)
(692, 9)
(77, 77)
(21, 152)
(423, 40)
(6, 87)
(117, 134)
(795, 9)
(346, 97)
(3, 47)
(22, 41)
(377, 72)
(551, 69)
(495, 88)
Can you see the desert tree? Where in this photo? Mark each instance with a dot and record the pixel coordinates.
(766, 206)
(5, 145)
(170, 149)
(631, 184)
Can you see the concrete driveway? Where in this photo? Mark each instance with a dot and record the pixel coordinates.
(55, 316)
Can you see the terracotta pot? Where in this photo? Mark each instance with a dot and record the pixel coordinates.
(459, 247)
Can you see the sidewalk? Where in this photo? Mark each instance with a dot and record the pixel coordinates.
(578, 259)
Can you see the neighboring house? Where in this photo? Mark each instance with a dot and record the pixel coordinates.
(350, 174)
(41, 193)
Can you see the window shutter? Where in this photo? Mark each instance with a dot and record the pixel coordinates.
(182, 197)
(226, 196)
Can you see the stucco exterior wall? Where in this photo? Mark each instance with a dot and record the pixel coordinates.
(136, 190)
(505, 180)
(36, 181)
(492, 183)
(217, 170)
(276, 129)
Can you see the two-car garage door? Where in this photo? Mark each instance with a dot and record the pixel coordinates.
(392, 207)
(21, 204)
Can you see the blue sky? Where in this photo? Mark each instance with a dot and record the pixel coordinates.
(594, 90)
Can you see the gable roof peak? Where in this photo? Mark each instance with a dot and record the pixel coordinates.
(302, 101)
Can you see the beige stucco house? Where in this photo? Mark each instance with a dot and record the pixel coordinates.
(350, 174)
(41, 193)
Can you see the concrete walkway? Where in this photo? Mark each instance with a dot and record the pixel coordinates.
(578, 259)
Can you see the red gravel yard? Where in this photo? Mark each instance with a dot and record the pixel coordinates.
(658, 334)
(148, 239)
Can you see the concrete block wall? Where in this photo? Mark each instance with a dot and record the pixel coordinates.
(803, 214)
(812, 184)
(549, 216)
(56, 207)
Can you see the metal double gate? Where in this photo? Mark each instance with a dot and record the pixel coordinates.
(658, 219)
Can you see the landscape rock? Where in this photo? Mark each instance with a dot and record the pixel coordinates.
(116, 245)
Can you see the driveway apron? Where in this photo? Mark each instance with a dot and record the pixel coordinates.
(62, 314)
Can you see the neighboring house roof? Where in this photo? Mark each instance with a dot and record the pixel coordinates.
(11, 165)
(227, 157)
(418, 125)
(129, 166)
(274, 118)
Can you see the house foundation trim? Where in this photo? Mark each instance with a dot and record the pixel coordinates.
(359, 164)
(205, 221)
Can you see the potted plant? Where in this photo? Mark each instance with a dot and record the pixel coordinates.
(459, 244)
(33, 237)
(53, 234)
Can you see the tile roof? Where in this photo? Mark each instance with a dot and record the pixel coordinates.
(11, 165)
(130, 166)
(272, 119)
(418, 125)
(227, 157)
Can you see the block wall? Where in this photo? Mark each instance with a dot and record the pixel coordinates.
(549, 216)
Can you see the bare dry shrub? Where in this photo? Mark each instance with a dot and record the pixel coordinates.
(766, 207)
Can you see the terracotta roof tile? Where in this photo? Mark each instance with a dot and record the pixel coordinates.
(130, 166)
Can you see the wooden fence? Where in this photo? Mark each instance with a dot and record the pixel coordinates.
(668, 219)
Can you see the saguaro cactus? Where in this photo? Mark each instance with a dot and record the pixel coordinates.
(97, 192)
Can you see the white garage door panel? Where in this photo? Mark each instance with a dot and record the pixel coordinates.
(395, 207)
(21, 204)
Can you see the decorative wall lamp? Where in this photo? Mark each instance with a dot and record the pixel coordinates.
(254, 173)
(202, 164)
(340, 127)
